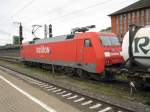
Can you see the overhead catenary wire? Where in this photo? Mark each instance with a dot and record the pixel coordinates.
(83, 9)
(18, 11)
(23, 8)
(77, 11)
(54, 10)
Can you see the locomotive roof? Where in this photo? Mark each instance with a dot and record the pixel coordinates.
(65, 37)
(107, 33)
(57, 38)
(53, 39)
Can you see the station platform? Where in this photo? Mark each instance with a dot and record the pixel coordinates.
(18, 96)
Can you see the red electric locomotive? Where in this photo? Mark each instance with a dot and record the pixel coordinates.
(83, 51)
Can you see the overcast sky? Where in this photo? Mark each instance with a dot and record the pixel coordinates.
(62, 14)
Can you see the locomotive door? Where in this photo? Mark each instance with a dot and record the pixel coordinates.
(88, 54)
(80, 44)
(85, 51)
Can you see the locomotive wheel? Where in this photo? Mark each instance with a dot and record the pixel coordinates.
(69, 71)
(58, 69)
(105, 76)
(70, 74)
(97, 77)
(82, 74)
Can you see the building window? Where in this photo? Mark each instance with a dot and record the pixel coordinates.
(148, 16)
(120, 23)
(117, 24)
(137, 17)
(133, 18)
(129, 19)
(125, 22)
(142, 17)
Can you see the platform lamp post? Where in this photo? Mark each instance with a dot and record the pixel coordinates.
(20, 32)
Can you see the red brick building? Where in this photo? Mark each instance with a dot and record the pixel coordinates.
(137, 13)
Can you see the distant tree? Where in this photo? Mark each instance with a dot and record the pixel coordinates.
(8, 44)
(16, 40)
(108, 29)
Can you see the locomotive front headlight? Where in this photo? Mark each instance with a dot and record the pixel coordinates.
(120, 53)
(107, 54)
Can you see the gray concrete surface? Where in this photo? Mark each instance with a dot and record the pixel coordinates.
(11, 100)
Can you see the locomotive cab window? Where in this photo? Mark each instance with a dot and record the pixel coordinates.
(87, 43)
(109, 41)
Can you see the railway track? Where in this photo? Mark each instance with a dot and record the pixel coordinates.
(87, 99)
(90, 104)
(10, 59)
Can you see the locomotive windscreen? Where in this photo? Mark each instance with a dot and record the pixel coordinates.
(109, 41)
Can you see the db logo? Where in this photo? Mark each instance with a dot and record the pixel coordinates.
(43, 50)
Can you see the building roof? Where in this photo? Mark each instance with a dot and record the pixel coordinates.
(135, 6)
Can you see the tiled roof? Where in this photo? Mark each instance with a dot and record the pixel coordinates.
(135, 6)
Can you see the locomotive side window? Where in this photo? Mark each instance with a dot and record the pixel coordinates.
(87, 43)
(70, 36)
